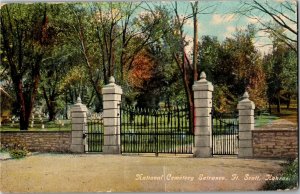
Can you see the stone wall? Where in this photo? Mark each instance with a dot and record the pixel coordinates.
(275, 143)
(41, 141)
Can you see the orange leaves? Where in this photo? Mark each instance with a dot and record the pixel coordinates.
(142, 70)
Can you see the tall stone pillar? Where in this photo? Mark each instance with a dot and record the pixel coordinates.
(111, 117)
(246, 125)
(79, 124)
(202, 107)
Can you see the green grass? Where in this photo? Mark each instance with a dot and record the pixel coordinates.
(48, 126)
(287, 179)
(263, 120)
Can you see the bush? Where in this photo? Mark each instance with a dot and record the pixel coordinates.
(288, 178)
(16, 154)
(18, 151)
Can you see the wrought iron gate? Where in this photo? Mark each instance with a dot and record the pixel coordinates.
(156, 131)
(225, 133)
(94, 135)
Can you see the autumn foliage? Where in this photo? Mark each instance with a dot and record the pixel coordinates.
(142, 70)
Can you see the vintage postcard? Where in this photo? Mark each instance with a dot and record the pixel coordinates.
(149, 96)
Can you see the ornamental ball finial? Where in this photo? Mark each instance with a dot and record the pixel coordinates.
(78, 100)
(202, 75)
(112, 80)
(246, 95)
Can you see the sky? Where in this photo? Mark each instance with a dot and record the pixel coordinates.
(223, 22)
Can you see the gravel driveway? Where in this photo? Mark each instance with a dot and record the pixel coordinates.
(109, 173)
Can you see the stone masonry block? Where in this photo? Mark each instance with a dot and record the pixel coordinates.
(203, 86)
(115, 89)
(78, 120)
(202, 152)
(79, 127)
(246, 127)
(111, 121)
(77, 141)
(202, 94)
(245, 143)
(111, 140)
(245, 135)
(79, 108)
(111, 113)
(245, 153)
(246, 112)
(78, 115)
(77, 148)
(203, 121)
(203, 103)
(111, 130)
(202, 130)
(202, 112)
(111, 104)
(112, 97)
(246, 119)
(203, 141)
(111, 149)
(246, 105)
(77, 134)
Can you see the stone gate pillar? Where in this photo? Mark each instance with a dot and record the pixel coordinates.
(246, 125)
(202, 107)
(79, 124)
(111, 117)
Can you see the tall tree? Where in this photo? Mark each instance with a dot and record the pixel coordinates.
(281, 69)
(26, 34)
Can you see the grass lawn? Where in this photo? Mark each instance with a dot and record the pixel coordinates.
(263, 120)
(48, 126)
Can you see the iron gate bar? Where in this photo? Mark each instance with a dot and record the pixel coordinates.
(225, 134)
(94, 134)
(155, 131)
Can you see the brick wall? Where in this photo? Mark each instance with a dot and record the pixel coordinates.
(275, 143)
(41, 141)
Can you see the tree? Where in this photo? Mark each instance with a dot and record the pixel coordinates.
(234, 66)
(283, 14)
(26, 35)
(281, 69)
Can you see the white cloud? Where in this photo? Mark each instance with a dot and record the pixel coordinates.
(230, 29)
(251, 20)
(263, 47)
(189, 47)
(218, 18)
(189, 23)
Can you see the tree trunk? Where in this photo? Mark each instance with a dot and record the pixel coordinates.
(288, 101)
(195, 51)
(278, 103)
(20, 97)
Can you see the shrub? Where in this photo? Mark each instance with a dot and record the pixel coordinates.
(288, 178)
(16, 154)
(18, 151)
(3, 148)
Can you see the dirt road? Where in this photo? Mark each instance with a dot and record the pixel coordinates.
(108, 173)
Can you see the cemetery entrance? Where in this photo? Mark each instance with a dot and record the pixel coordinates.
(94, 134)
(164, 130)
(224, 133)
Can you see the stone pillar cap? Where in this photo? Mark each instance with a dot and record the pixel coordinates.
(78, 100)
(112, 80)
(202, 75)
(246, 103)
(246, 95)
(203, 84)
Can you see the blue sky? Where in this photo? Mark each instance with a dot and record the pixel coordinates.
(223, 23)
